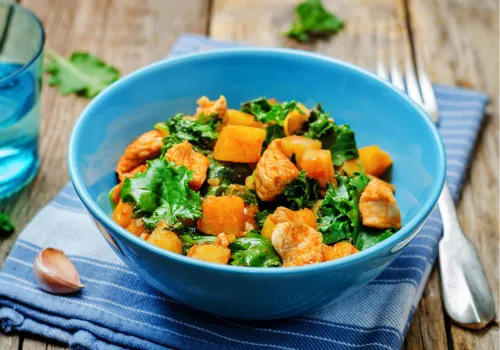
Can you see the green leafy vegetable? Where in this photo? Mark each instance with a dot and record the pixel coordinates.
(302, 192)
(6, 225)
(274, 131)
(189, 239)
(83, 73)
(260, 217)
(201, 133)
(338, 215)
(254, 250)
(313, 20)
(258, 107)
(262, 110)
(367, 239)
(248, 196)
(228, 172)
(320, 127)
(162, 193)
(344, 147)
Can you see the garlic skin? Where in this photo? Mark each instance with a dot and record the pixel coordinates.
(55, 273)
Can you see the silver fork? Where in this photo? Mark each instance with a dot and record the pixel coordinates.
(467, 297)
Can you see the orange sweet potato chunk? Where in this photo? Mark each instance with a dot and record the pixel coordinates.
(308, 218)
(222, 215)
(297, 145)
(240, 144)
(318, 165)
(235, 117)
(374, 160)
(339, 250)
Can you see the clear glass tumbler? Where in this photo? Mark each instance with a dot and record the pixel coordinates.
(21, 67)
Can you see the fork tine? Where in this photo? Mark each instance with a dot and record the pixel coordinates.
(411, 78)
(430, 103)
(396, 76)
(381, 69)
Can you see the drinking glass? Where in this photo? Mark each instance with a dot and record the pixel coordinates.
(21, 66)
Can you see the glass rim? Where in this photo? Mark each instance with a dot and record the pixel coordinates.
(41, 43)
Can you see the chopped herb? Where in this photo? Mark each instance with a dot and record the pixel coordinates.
(302, 192)
(274, 131)
(6, 225)
(254, 250)
(162, 193)
(313, 20)
(83, 73)
(338, 215)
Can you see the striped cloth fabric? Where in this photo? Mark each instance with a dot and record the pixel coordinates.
(118, 310)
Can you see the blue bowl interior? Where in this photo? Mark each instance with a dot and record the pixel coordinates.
(378, 113)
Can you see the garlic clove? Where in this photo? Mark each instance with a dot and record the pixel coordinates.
(55, 273)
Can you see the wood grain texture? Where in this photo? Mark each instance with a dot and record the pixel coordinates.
(458, 40)
(126, 33)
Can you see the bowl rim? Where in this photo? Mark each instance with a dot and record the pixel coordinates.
(404, 233)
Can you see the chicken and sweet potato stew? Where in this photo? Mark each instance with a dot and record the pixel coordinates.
(273, 184)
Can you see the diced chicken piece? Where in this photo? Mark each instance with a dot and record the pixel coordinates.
(297, 244)
(378, 207)
(337, 251)
(145, 147)
(115, 196)
(208, 107)
(183, 154)
(273, 172)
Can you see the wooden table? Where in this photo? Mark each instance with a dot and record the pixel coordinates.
(458, 40)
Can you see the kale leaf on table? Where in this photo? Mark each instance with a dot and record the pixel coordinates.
(338, 215)
(254, 250)
(162, 193)
(6, 225)
(82, 73)
(312, 19)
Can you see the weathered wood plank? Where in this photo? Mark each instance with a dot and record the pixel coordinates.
(126, 33)
(34, 344)
(459, 42)
(9, 342)
(261, 22)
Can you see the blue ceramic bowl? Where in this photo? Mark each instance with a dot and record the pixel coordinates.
(376, 111)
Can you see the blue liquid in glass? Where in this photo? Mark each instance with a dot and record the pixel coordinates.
(19, 124)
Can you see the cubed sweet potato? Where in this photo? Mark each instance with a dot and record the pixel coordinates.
(235, 117)
(318, 165)
(165, 239)
(240, 144)
(268, 227)
(214, 253)
(351, 166)
(307, 217)
(337, 251)
(122, 214)
(297, 145)
(295, 119)
(137, 227)
(222, 215)
(374, 160)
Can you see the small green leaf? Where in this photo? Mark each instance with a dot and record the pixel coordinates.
(254, 250)
(313, 20)
(260, 217)
(83, 73)
(162, 193)
(302, 192)
(6, 225)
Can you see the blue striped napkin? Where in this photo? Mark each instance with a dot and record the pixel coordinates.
(118, 310)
